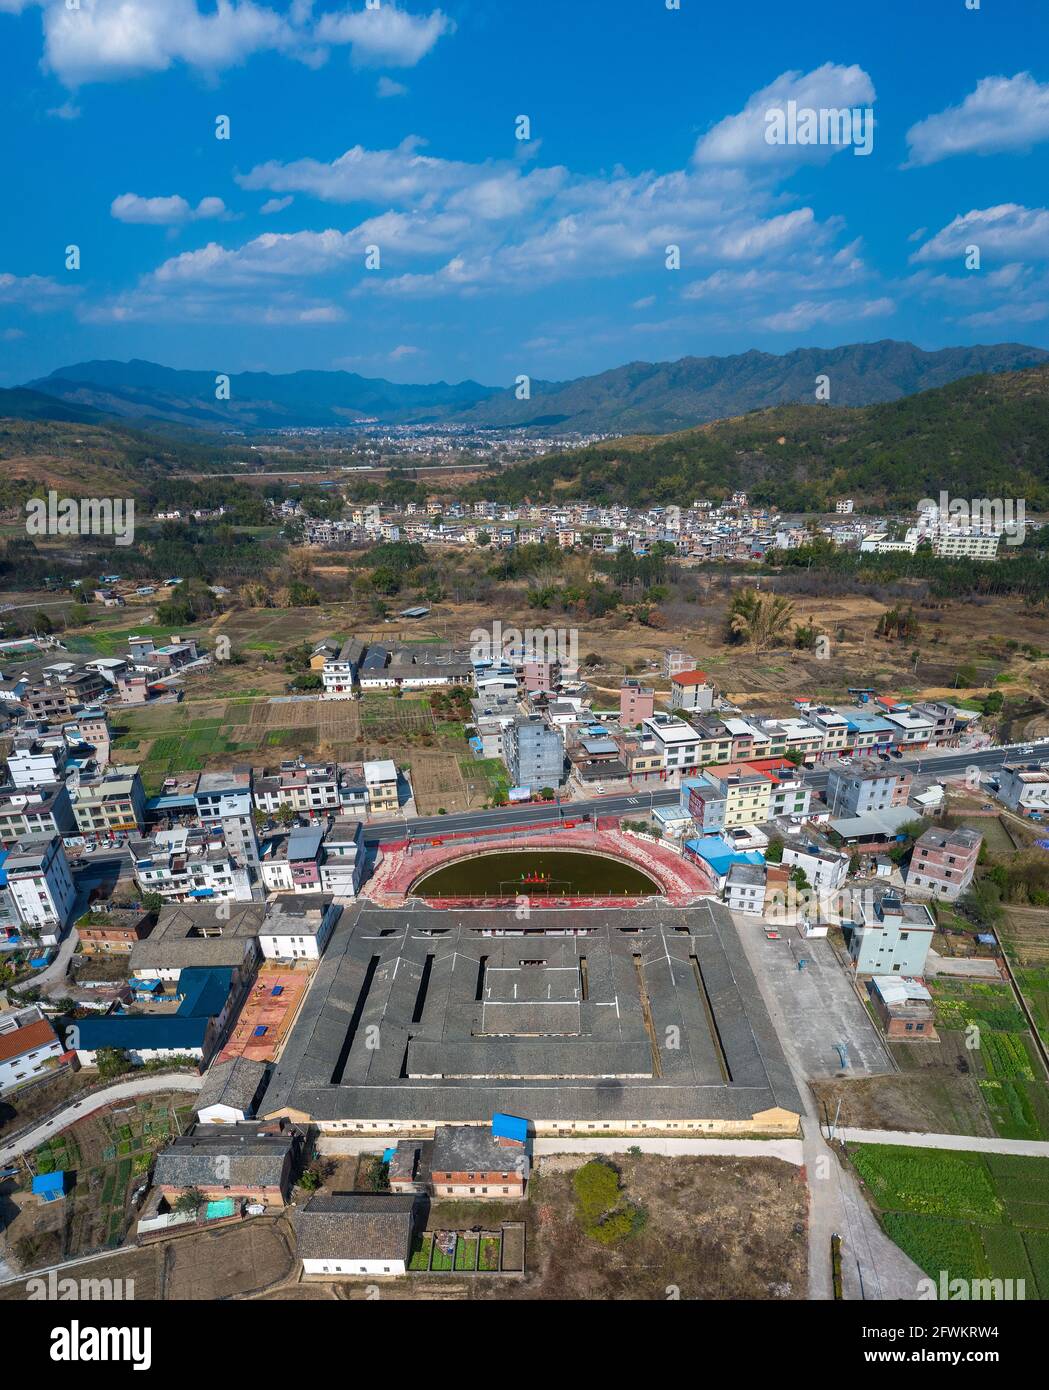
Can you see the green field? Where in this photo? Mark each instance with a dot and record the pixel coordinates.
(972, 1216)
(1000, 1051)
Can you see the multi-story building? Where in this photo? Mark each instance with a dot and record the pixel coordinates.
(676, 659)
(870, 787)
(745, 889)
(339, 673)
(893, 938)
(535, 754)
(677, 740)
(382, 781)
(825, 869)
(37, 762)
(943, 862)
(636, 703)
(470, 1161)
(35, 811)
(308, 861)
(833, 726)
(41, 885)
(912, 729)
(309, 788)
(949, 545)
(189, 865)
(691, 691)
(223, 799)
(112, 804)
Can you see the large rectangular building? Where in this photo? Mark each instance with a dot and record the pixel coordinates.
(645, 1019)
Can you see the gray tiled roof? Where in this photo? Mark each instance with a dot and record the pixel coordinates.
(356, 1226)
(532, 1045)
(236, 1156)
(233, 1083)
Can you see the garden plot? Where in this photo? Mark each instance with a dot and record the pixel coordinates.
(975, 1216)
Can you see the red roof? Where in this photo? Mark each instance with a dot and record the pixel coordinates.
(690, 678)
(22, 1040)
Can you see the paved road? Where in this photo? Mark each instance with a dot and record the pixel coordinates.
(872, 1266)
(789, 1150)
(966, 1143)
(637, 802)
(120, 1090)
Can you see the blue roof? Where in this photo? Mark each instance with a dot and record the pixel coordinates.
(50, 1185)
(866, 723)
(720, 855)
(509, 1127)
(203, 990)
(125, 1031)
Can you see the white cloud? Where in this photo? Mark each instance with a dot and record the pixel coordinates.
(807, 313)
(387, 87)
(385, 37)
(164, 212)
(68, 111)
(272, 205)
(1003, 113)
(740, 139)
(401, 176)
(106, 40)
(404, 350)
(35, 292)
(1006, 230)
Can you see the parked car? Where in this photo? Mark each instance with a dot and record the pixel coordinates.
(885, 757)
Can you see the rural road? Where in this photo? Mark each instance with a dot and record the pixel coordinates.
(643, 799)
(966, 1143)
(872, 1266)
(789, 1150)
(120, 1090)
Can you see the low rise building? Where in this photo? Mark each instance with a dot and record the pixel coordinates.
(381, 779)
(636, 703)
(1024, 787)
(904, 1008)
(29, 1047)
(298, 928)
(355, 1233)
(253, 1161)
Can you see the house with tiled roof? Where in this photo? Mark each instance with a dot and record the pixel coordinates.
(355, 1233)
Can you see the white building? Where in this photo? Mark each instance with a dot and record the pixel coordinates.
(29, 1046)
(298, 929)
(675, 739)
(41, 885)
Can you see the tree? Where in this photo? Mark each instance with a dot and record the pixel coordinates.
(484, 538)
(190, 1202)
(112, 1061)
(758, 619)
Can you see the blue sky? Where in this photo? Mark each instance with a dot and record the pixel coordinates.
(395, 127)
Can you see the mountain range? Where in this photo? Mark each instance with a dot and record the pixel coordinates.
(640, 397)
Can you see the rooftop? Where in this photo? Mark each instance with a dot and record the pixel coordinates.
(536, 1042)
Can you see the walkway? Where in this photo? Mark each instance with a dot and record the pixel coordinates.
(788, 1150)
(965, 1143)
(98, 1100)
